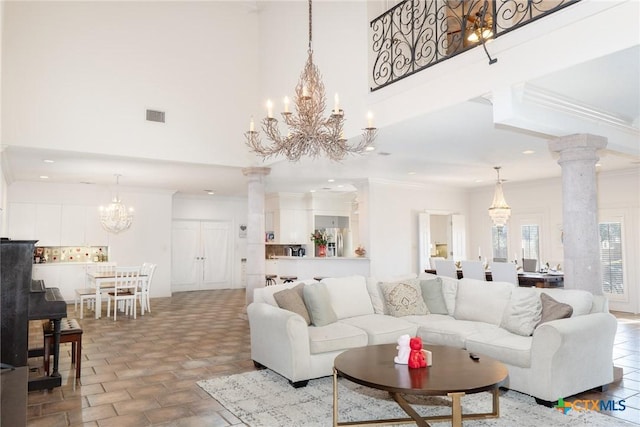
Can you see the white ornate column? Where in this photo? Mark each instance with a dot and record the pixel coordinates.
(581, 241)
(255, 229)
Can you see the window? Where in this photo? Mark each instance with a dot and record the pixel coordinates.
(499, 243)
(531, 242)
(611, 258)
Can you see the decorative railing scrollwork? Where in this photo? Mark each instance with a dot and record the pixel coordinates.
(416, 34)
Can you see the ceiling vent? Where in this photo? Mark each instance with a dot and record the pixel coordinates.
(155, 116)
(383, 153)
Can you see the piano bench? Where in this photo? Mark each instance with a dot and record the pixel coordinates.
(70, 331)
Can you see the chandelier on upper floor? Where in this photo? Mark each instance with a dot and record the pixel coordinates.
(309, 133)
(116, 217)
(499, 210)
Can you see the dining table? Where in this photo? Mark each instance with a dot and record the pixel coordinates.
(526, 279)
(102, 282)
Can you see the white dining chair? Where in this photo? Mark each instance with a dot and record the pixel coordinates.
(473, 270)
(433, 259)
(445, 267)
(125, 290)
(88, 294)
(504, 272)
(529, 265)
(145, 283)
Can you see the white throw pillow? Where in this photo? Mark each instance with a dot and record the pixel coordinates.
(482, 301)
(349, 296)
(523, 312)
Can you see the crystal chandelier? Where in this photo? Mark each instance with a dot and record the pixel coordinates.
(116, 218)
(499, 210)
(309, 132)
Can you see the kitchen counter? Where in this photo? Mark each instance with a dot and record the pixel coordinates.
(308, 267)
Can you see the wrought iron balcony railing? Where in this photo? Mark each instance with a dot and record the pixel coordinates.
(417, 34)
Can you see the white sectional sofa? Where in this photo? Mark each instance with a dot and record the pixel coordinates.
(561, 358)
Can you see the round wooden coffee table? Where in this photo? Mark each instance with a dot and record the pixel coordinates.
(452, 374)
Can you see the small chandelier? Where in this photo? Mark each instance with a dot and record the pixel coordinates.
(480, 29)
(499, 210)
(116, 218)
(310, 133)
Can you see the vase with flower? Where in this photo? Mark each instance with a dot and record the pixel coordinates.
(320, 238)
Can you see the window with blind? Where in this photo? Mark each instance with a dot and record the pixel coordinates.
(531, 242)
(611, 258)
(499, 243)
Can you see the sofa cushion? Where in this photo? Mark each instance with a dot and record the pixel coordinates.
(382, 329)
(335, 336)
(482, 301)
(292, 300)
(449, 331)
(523, 312)
(553, 310)
(432, 295)
(318, 302)
(403, 298)
(581, 301)
(502, 345)
(349, 296)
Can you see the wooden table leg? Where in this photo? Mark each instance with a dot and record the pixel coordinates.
(335, 397)
(456, 409)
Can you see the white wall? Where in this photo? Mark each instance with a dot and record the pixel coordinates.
(393, 222)
(214, 208)
(148, 239)
(618, 195)
(85, 72)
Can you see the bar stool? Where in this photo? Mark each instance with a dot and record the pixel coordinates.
(271, 279)
(319, 278)
(70, 331)
(288, 279)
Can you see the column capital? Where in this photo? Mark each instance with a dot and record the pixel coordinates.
(581, 146)
(253, 171)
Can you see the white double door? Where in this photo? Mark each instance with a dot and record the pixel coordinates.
(201, 255)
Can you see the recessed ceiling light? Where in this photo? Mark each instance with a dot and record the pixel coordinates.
(598, 165)
(528, 152)
(312, 191)
(44, 177)
(209, 192)
(48, 161)
(331, 180)
(370, 148)
(411, 173)
(340, 186)
(477, 180)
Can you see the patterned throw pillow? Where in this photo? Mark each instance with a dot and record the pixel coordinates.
(292, 300)
(403, 298)
(553, 310)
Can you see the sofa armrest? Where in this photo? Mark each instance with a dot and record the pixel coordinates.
(572, 355)
(279, 340)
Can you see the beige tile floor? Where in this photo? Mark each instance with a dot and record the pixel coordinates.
(144, 372)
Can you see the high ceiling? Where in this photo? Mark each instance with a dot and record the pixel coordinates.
(430, 149)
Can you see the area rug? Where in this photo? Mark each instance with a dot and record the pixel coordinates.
(264, 398)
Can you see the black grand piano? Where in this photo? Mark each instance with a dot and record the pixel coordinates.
(21, 300)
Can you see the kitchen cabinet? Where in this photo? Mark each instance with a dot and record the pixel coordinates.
(21, 222)
(66, 277)
(47, 225)
(72, 225)
(293, 227)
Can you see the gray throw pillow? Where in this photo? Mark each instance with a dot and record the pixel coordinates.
(292, 300)
(318, 302)
(523, 312)
(553, 310)
(433, 296)
(403, 298)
